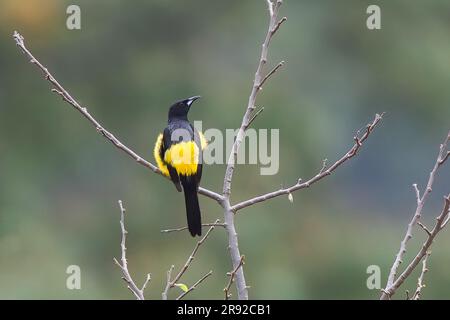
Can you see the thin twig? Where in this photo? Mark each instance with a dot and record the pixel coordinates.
(257, 113)
(324, 165)
(171, 282)
(416, 189)
(194, 286)
(420, 284)
(147, 280)
(445, 222)
(390, 291)
(269, 74)
(279, 23)
(191, 257)
(138, 293)
(420, 224)
(185, 228)
(320, 175)
(65, 95)
(169, 276)
(392, 283)
(232, 274)
(445, 158)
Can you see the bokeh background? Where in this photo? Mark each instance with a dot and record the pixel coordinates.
(60, 181)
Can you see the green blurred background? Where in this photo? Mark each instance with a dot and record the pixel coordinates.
(60, 180)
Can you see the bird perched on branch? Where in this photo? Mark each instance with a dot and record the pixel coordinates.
(178, 154)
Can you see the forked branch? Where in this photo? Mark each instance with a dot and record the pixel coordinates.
(420, 280)
(394, 283)
(232, 275)
(123, 265)
(172, 282)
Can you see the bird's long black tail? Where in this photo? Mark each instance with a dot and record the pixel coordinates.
(192, 208)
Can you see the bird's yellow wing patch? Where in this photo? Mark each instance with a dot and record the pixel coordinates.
(156, 154)
(183, 157)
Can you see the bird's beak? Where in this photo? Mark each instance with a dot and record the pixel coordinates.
(190, 100)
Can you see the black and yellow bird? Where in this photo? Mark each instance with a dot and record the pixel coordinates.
(178, 154)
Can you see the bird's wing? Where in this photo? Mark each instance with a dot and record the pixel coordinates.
(158, 153)
(167, 142)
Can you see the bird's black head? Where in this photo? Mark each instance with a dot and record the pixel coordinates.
(180, 109)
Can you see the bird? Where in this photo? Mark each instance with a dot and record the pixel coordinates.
(178, 154)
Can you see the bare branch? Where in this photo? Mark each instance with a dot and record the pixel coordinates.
(171, 283)
(147, 280)
(445, 158)
(194, 286)
(185, 228)
(422, 252)
(319, 176)
(232, 274)
(416, 189)
(443, 152)
(168, 282)
(420, 284)
(445, 222)
(191, 257)
(268, 75)
(65, 95)
(258, 81)
(393, 284)
(278, 25)
(257, 113)
(138, 293)
(424, 228)
(324, 165)
(270, 5)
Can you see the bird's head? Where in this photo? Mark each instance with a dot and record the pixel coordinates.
(180, 109)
